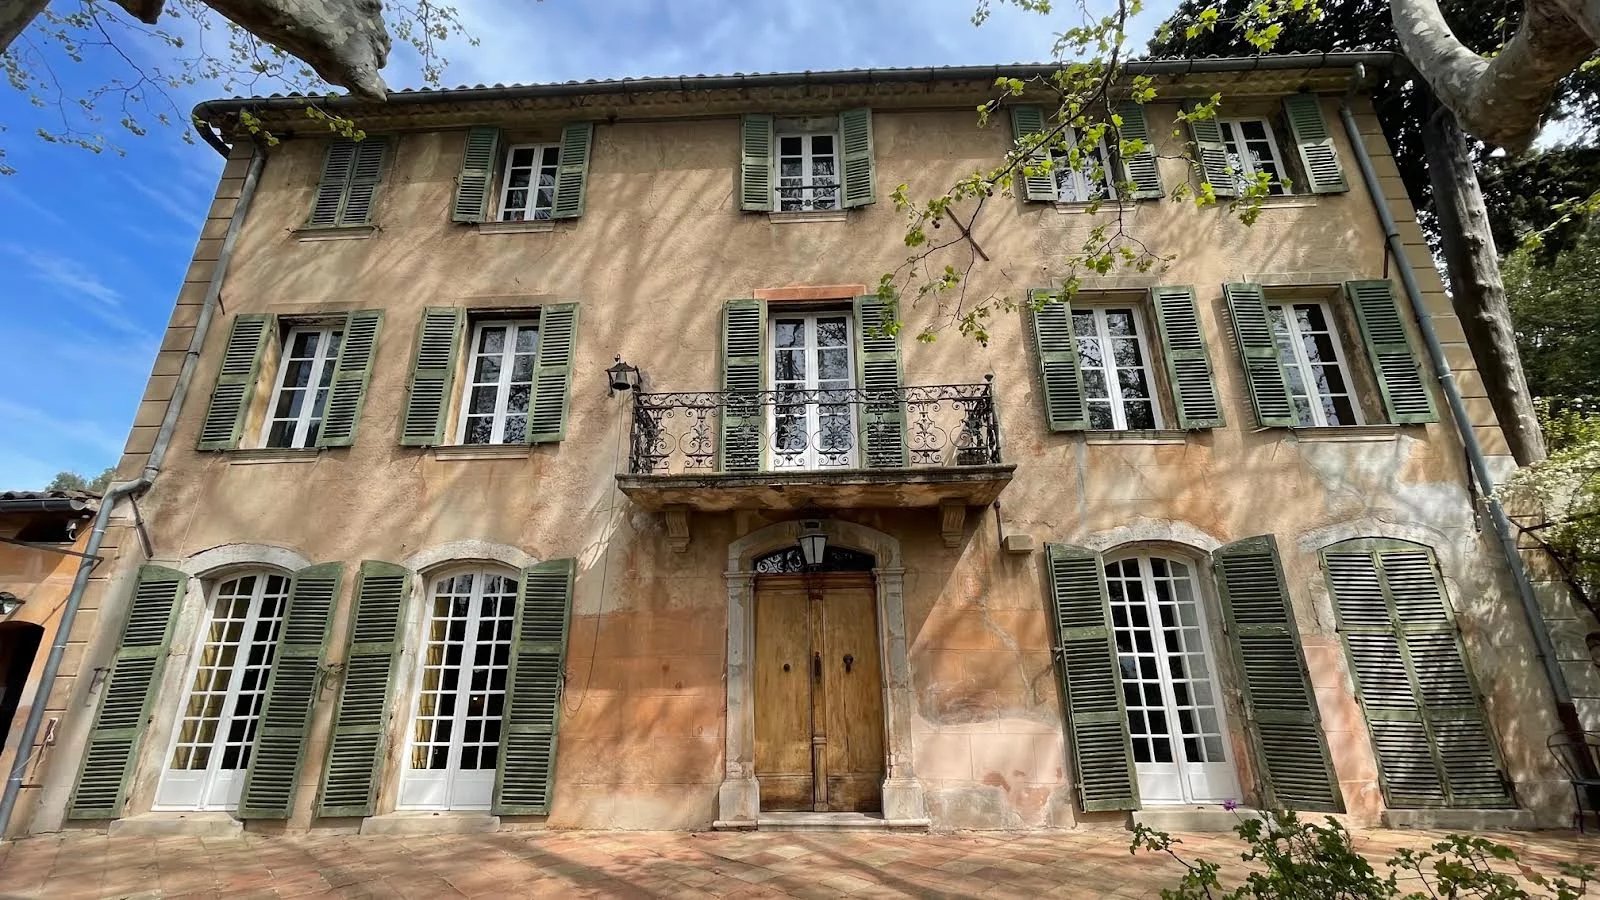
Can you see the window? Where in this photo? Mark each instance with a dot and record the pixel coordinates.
(499, 382)
(1114, 357)
(1313, 364)
(301, 392)
(812, 422)
(1090, 181)
(808, 171)
(1252, 149)
(530, 182)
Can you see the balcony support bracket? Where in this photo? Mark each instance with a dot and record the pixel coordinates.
(677, 517)
(952, 521)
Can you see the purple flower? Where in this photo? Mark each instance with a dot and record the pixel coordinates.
(1230, 805)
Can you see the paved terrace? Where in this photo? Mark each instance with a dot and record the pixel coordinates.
(1091, 862)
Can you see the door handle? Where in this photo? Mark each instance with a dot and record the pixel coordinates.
(848, 662)
(816, 665)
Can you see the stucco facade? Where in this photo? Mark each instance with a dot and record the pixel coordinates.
(654, 731)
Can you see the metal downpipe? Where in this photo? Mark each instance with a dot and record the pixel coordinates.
(158, 452)
(1543, 646)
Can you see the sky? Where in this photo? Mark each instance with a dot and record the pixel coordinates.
(93, 246)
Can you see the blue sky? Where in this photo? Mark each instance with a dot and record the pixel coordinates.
(94, 246)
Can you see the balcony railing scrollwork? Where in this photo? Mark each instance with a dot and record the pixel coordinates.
(790, 430)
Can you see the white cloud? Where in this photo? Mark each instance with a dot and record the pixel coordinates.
(75, 281)
(39, 426)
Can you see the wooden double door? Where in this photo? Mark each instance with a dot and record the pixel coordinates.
(819, 693)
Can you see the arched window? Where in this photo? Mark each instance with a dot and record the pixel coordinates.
(227, 683)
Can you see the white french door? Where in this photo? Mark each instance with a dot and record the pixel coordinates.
(812, 420)
(1168, 683)
(233, 660)
(454, 739)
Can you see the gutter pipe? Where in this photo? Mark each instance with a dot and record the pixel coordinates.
(1543, 646)
(69, 612)
(48, 504)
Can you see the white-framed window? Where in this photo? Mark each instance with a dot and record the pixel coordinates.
(499, 383)
(1169, 689)
(300, 393)
(1313, 364)
(454, 739)
(217, 725)
(529, 186)
(813, 363)
(1252, 149)
(1090, 181)
(1114, 359)
(808, 170)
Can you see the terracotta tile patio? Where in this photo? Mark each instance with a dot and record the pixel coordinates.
(1090, 862)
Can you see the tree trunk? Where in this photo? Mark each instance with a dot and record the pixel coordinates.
(15, 16)
(1478, 294)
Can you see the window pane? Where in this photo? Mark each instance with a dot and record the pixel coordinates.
(527, 339)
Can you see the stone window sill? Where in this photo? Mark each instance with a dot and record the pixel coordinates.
(482, 451)
(539, 226)
(1106, 206)
(1290, 201)
(1347, 433)
(810, 215)
(336, 233)
(264, 455)
(1156, 436)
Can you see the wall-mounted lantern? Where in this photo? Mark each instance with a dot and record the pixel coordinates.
(623, 377)
(813, 543)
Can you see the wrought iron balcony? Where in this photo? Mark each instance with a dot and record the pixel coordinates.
(789, 448)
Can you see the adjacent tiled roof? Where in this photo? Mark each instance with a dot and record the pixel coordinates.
(59, 500)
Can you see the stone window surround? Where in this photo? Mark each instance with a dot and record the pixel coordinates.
(739, 796)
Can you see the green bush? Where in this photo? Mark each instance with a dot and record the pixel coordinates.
(1297, 860)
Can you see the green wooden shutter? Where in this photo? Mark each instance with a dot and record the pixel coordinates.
(572, 172)
(552, 377)
(1041, 186)
(1285, 725)
(1263, 367)
(744, 333)
(1318, 158)
(336, 166)
(1141, 169)
(478, 160)
(355, 757)
(351, 373)
(1183, 347)
(1421, 703)
(365, 173)
(1406, 397)
(128, 695)
(855, 132)
(1091, 680)
(526, 771)
(236, 381)
(883, 414)
(755, 163)
(280, 742)
(1211, 156)
(433, 371)
(1064, 407)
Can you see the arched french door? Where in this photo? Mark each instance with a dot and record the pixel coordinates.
(453, 742)
(210, 747)
(1169, 683)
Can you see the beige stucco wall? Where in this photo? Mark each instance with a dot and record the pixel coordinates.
(660, 246)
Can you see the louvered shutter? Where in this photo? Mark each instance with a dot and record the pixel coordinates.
(433, 371)
(127, 696)
(478, 158)
(755, 162)
(1286, 727)
(744, 327)
(365, 173)
(1406, 397)
(1211, 156)
(1318, 158)
(1188, 362)
(1428, 727)
(336, 166)
(236, 381)
(355, 755)
(572, 171)
(855, 132)
(280, 744)
(1064, 407)
(1141, 169)
(525, 775)
(883, 414)
(351, 373)
(1091, 680)
(1263, 367)
(552, 377)
(1039, 187)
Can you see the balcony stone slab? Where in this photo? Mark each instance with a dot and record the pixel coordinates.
(843, 489)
